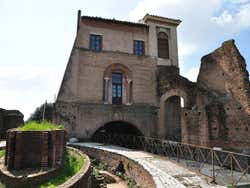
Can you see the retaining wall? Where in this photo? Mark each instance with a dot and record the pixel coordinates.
(132, 168)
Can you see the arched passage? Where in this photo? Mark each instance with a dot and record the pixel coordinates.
(117, 128)
(171, 104)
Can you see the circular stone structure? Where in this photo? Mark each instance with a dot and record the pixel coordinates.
(34, 149)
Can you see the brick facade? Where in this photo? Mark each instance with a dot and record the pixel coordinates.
(152, 87)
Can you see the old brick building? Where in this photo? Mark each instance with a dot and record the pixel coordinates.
(123, 77)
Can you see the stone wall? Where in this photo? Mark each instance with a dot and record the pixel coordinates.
(82, 120)
(132, 168)
(9, 119)
(29, 149)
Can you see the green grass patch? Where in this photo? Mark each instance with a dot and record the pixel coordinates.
(73, 163)
(2, 153)
(44, 126)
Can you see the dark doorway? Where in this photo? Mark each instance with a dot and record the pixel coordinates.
(116, 88)
(117, 128)
(173, 118)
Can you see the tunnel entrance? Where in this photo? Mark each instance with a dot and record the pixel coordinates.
(117, 128)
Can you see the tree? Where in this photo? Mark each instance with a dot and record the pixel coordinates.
(45, 110)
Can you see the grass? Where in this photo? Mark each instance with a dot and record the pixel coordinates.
(73, 163)
(2, 153)
(35, 126)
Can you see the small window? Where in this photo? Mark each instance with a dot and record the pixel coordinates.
(163, 45)
(96, 42)
(138, 47)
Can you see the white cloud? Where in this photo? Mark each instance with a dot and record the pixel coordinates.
(191, 74)
(186, 49)
(234, 22)
(204, 24)
(239, 1)
(25, 88)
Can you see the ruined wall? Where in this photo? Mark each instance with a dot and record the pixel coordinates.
(1, 121)
(224, 73)
(9, 119)
(173, 118)
(217, 107)
(193, 116)
(34, 149)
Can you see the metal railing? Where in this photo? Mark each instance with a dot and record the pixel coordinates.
(223, 167)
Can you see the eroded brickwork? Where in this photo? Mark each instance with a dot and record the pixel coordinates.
(29, 149)
(216, 111)
(9, 119)
(224, 72)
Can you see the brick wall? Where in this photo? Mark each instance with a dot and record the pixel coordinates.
(28, 149)
(9, 119)
(82, 120)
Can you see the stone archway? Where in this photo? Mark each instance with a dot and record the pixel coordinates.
(117, 128)
(170, 114)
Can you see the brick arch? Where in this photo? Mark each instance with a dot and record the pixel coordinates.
(175, 92)
(119, 68)
(167, 95)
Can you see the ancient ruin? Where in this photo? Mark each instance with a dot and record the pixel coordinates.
(123, 78)
(9, 119)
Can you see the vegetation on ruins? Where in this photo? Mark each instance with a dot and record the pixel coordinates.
(43, 126)
(73, 163)
(98, 166)
(2, 153)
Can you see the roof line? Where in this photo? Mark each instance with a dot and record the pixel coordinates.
(114, 21)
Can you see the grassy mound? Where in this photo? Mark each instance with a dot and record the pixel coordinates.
(35, 126)
(73, 164)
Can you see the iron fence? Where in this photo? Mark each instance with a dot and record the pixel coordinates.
(223, 167)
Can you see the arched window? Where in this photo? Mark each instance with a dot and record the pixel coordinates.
(117, 85)
(163, 45)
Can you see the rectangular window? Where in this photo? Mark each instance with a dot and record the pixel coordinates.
(95, 42)
(139, 47)
(116, 88)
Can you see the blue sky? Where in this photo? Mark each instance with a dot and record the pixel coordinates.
(36, 38)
